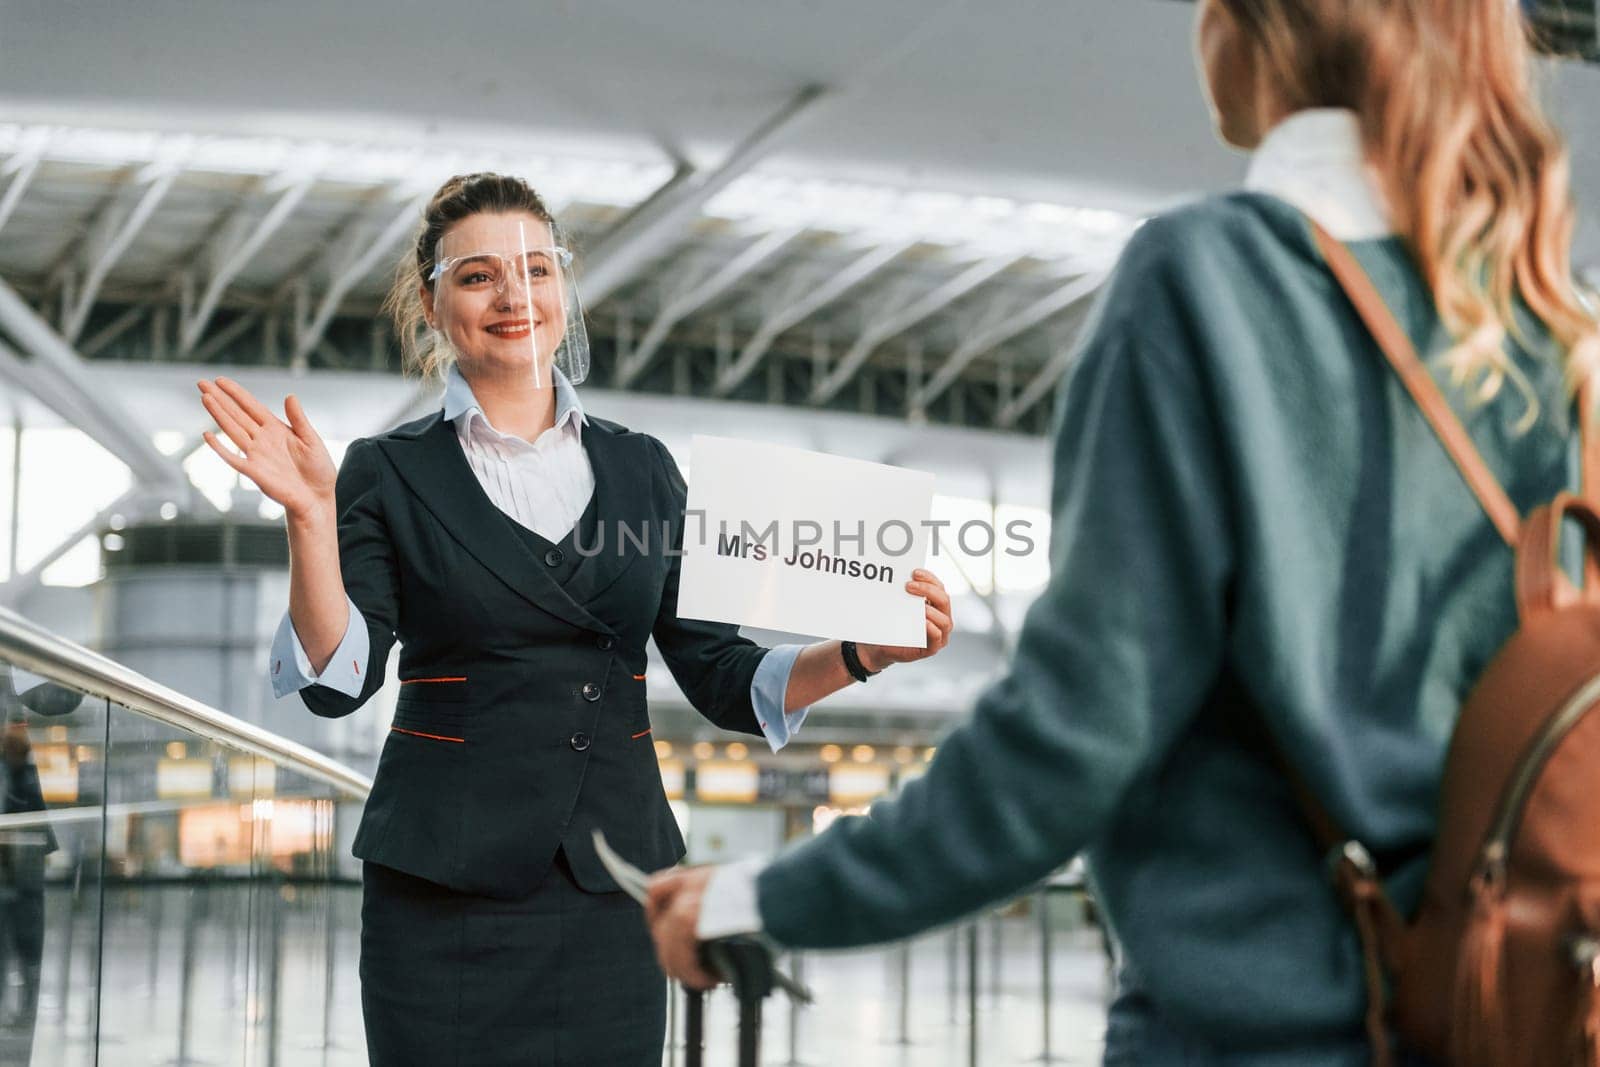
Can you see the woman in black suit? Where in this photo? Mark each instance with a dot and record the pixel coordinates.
(490, 932)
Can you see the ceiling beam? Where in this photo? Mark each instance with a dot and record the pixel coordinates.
(988, 339)
(14, 591)
(30, 378)
(90, 409)
(793, 312)
(356, 261)
(240, 325)
(22, 166)
(113, 330)
(235, 251)
(663, 219)
(881, 329)
(1040, 384)
(109, 238)
(675, 310)
(15, 188)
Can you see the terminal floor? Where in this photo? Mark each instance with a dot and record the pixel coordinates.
(230, 1014)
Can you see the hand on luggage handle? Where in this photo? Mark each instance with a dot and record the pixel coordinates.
(746, 963)
(743, 961)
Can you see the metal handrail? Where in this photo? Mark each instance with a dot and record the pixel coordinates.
(37, 650)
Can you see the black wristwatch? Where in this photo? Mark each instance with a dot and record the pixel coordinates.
(852, 661)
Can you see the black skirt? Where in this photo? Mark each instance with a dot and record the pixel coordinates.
(560, 977)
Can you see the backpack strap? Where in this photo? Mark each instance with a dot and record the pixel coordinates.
(1402, 356)
(1379, 927)
(1590, 455)
(1589, 475)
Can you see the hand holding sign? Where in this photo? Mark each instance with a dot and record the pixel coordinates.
(939, 618)
(810, 543)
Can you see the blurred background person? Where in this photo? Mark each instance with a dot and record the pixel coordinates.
(22, 860)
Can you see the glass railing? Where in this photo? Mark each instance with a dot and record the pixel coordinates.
(175, 888)
(169, 884)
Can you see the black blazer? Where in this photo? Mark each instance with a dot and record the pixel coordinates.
(521, 725)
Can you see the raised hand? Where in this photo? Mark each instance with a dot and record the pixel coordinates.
(939, 621)
(287, 460)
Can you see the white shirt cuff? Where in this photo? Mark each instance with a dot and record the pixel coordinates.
(769, 691)
(729, 905)
(346, 672)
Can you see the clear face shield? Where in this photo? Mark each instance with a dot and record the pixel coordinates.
(504, 301)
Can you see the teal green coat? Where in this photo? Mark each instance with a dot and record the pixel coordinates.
(1253, 528)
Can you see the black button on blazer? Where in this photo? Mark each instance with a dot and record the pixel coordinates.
(503, 668)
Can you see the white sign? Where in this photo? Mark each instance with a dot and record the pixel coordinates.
(804, 542)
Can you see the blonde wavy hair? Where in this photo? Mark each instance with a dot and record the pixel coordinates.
(1477, 179)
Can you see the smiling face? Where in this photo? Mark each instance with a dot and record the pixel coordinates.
(498, 296)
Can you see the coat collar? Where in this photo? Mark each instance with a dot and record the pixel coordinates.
(427, 454)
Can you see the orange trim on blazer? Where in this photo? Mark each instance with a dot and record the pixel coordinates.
(638, 677)
(431, 737)
(413, 681)
(640, 734)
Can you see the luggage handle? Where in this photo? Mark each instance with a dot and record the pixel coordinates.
(746, 963)
(742, 960)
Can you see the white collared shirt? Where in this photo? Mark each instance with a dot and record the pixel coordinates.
(543, 484)
(1313, 159)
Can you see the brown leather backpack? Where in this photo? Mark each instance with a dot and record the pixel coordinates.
(1500, 966)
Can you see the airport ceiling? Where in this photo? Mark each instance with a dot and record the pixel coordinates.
(898, 207)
